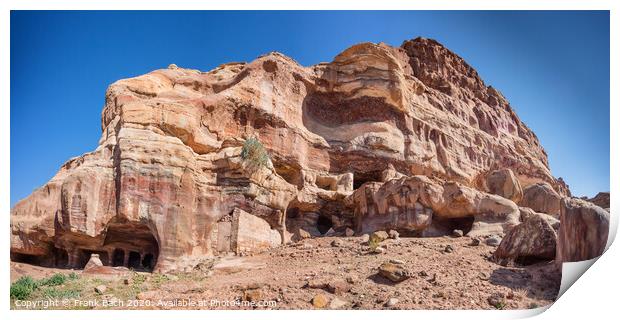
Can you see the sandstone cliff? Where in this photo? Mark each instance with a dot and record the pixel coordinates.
(160, 189)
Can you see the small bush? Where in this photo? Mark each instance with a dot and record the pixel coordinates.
(373, 243)
(55, 293)
(73, 276)
(23, 288)
(254, 153)
(55, 280)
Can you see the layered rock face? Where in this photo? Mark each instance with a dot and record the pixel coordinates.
(584, 229)
(402, 137)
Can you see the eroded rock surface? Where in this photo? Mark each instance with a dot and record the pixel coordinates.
(541, 197)
(531, 241)
(169, 168)
(583, 232)
(504, 183)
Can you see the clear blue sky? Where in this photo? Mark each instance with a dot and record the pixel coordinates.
(552, 66)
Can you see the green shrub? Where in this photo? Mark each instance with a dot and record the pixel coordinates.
(23, 288)
(373, 243)
(55, 280)
(55, 293)
(254, 153)
(73, 276)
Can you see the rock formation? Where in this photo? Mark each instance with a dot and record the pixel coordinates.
(583, 232)
(533, 240)
(504, 183)
(172, 164)
(541, 197)
(602, 199)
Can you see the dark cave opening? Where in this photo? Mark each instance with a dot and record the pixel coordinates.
(449, 224)
(324, 224)
(359, 178)
(530, 260)
(61, 257)
(292, 213)
(148, 261)
(26, 258)
(132, 243)
(135, 261)
(118, 258)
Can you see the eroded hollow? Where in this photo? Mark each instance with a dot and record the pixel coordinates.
(359, 178)
(323, 224)
(132, 245)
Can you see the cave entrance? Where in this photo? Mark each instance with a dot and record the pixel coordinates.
(324, 224)
(148, 262)
(359, 178)
(26, 258)
(132, 242)
(118, 258)
(135, 261)
(61, 258)
(447, 225)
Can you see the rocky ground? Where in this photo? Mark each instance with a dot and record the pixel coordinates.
(326, 272)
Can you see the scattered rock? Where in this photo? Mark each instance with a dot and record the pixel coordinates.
(448, 249)
(378, 236)
(474, 242)
(379, 250)
(457, 233)
(396, 261)
(493, 241)
(394, 272)
(252, 295)
(303, 234)
(497, 300)
(100, 289)
(349, 232)
(337, 243)
(337, 303)
(330, 232)
(393, 234)
(365, 238)
(320, 301)
(391, 302)
(338, 287)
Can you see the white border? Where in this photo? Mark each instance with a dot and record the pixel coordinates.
(595, 294)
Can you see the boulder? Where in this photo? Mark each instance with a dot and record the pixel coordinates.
(584, 228)
(94, 261)
(541, 197)
(349, 232)
(534, 239)
(379, 236)
(319, 301)
(504, 183)
(394, 272)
